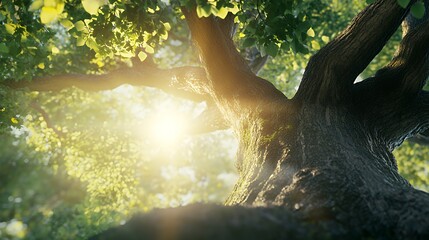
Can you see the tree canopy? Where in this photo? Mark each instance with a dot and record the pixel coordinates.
(84, 144)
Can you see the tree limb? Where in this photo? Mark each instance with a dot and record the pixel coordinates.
(393, 102)
(390, 116)
(410, 66)
(186, 82)
(330, 73)
(230, 78)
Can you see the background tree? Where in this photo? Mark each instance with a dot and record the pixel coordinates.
(95, 45)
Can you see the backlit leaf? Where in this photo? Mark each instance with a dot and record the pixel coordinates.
(48, 15)
(80, 26)
(67, 24)
(315, 45)
(310, 32)
(80, 42)
(41, 65)
(204, 11)
(222, 13)
(325, 39)
(92, 44)
(142, 56)
(36, 5)
(167, 26)
(10, 28)
(149, 49)
(91, 6)
(14, 120)
(55, 50)
(50, 3)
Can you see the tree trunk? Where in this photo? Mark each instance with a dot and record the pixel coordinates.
(319, 174)
(329, 167)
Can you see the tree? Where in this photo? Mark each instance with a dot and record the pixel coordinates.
(321, 160)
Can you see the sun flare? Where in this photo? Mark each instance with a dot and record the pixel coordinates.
(167, 127)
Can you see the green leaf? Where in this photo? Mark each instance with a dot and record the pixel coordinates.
(67, 24)
(92, 6)
(48, 15)
(310, 32)
(36, 5)
(325, 39)
(418, 10)
(14, 120)
(80, 42)
(80, 26)
(41, 65)
(149, 49)
(222, 12)
(91, 43)
(142, 56)
(55, 50)
(285, 46)
(370, 1)
(315, 45)
(204, 11)
(4, 48)
(10, 28)
(403, 3)
(272, 49)
(167, 26)
(248, 42)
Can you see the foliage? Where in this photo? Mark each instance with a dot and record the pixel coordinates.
(413, 164)
(74, 163)
(104, 166)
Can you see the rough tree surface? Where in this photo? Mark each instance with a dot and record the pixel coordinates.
(319, 165)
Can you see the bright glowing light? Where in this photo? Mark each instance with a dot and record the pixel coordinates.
(167, 127)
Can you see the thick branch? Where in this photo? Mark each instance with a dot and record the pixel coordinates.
(406, 120)
(390, 115)
(186, 82)
(410, 66)
(230, 78)
(393, 102)
(330, 73)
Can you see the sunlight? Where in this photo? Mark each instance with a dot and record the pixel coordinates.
(167, 127)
